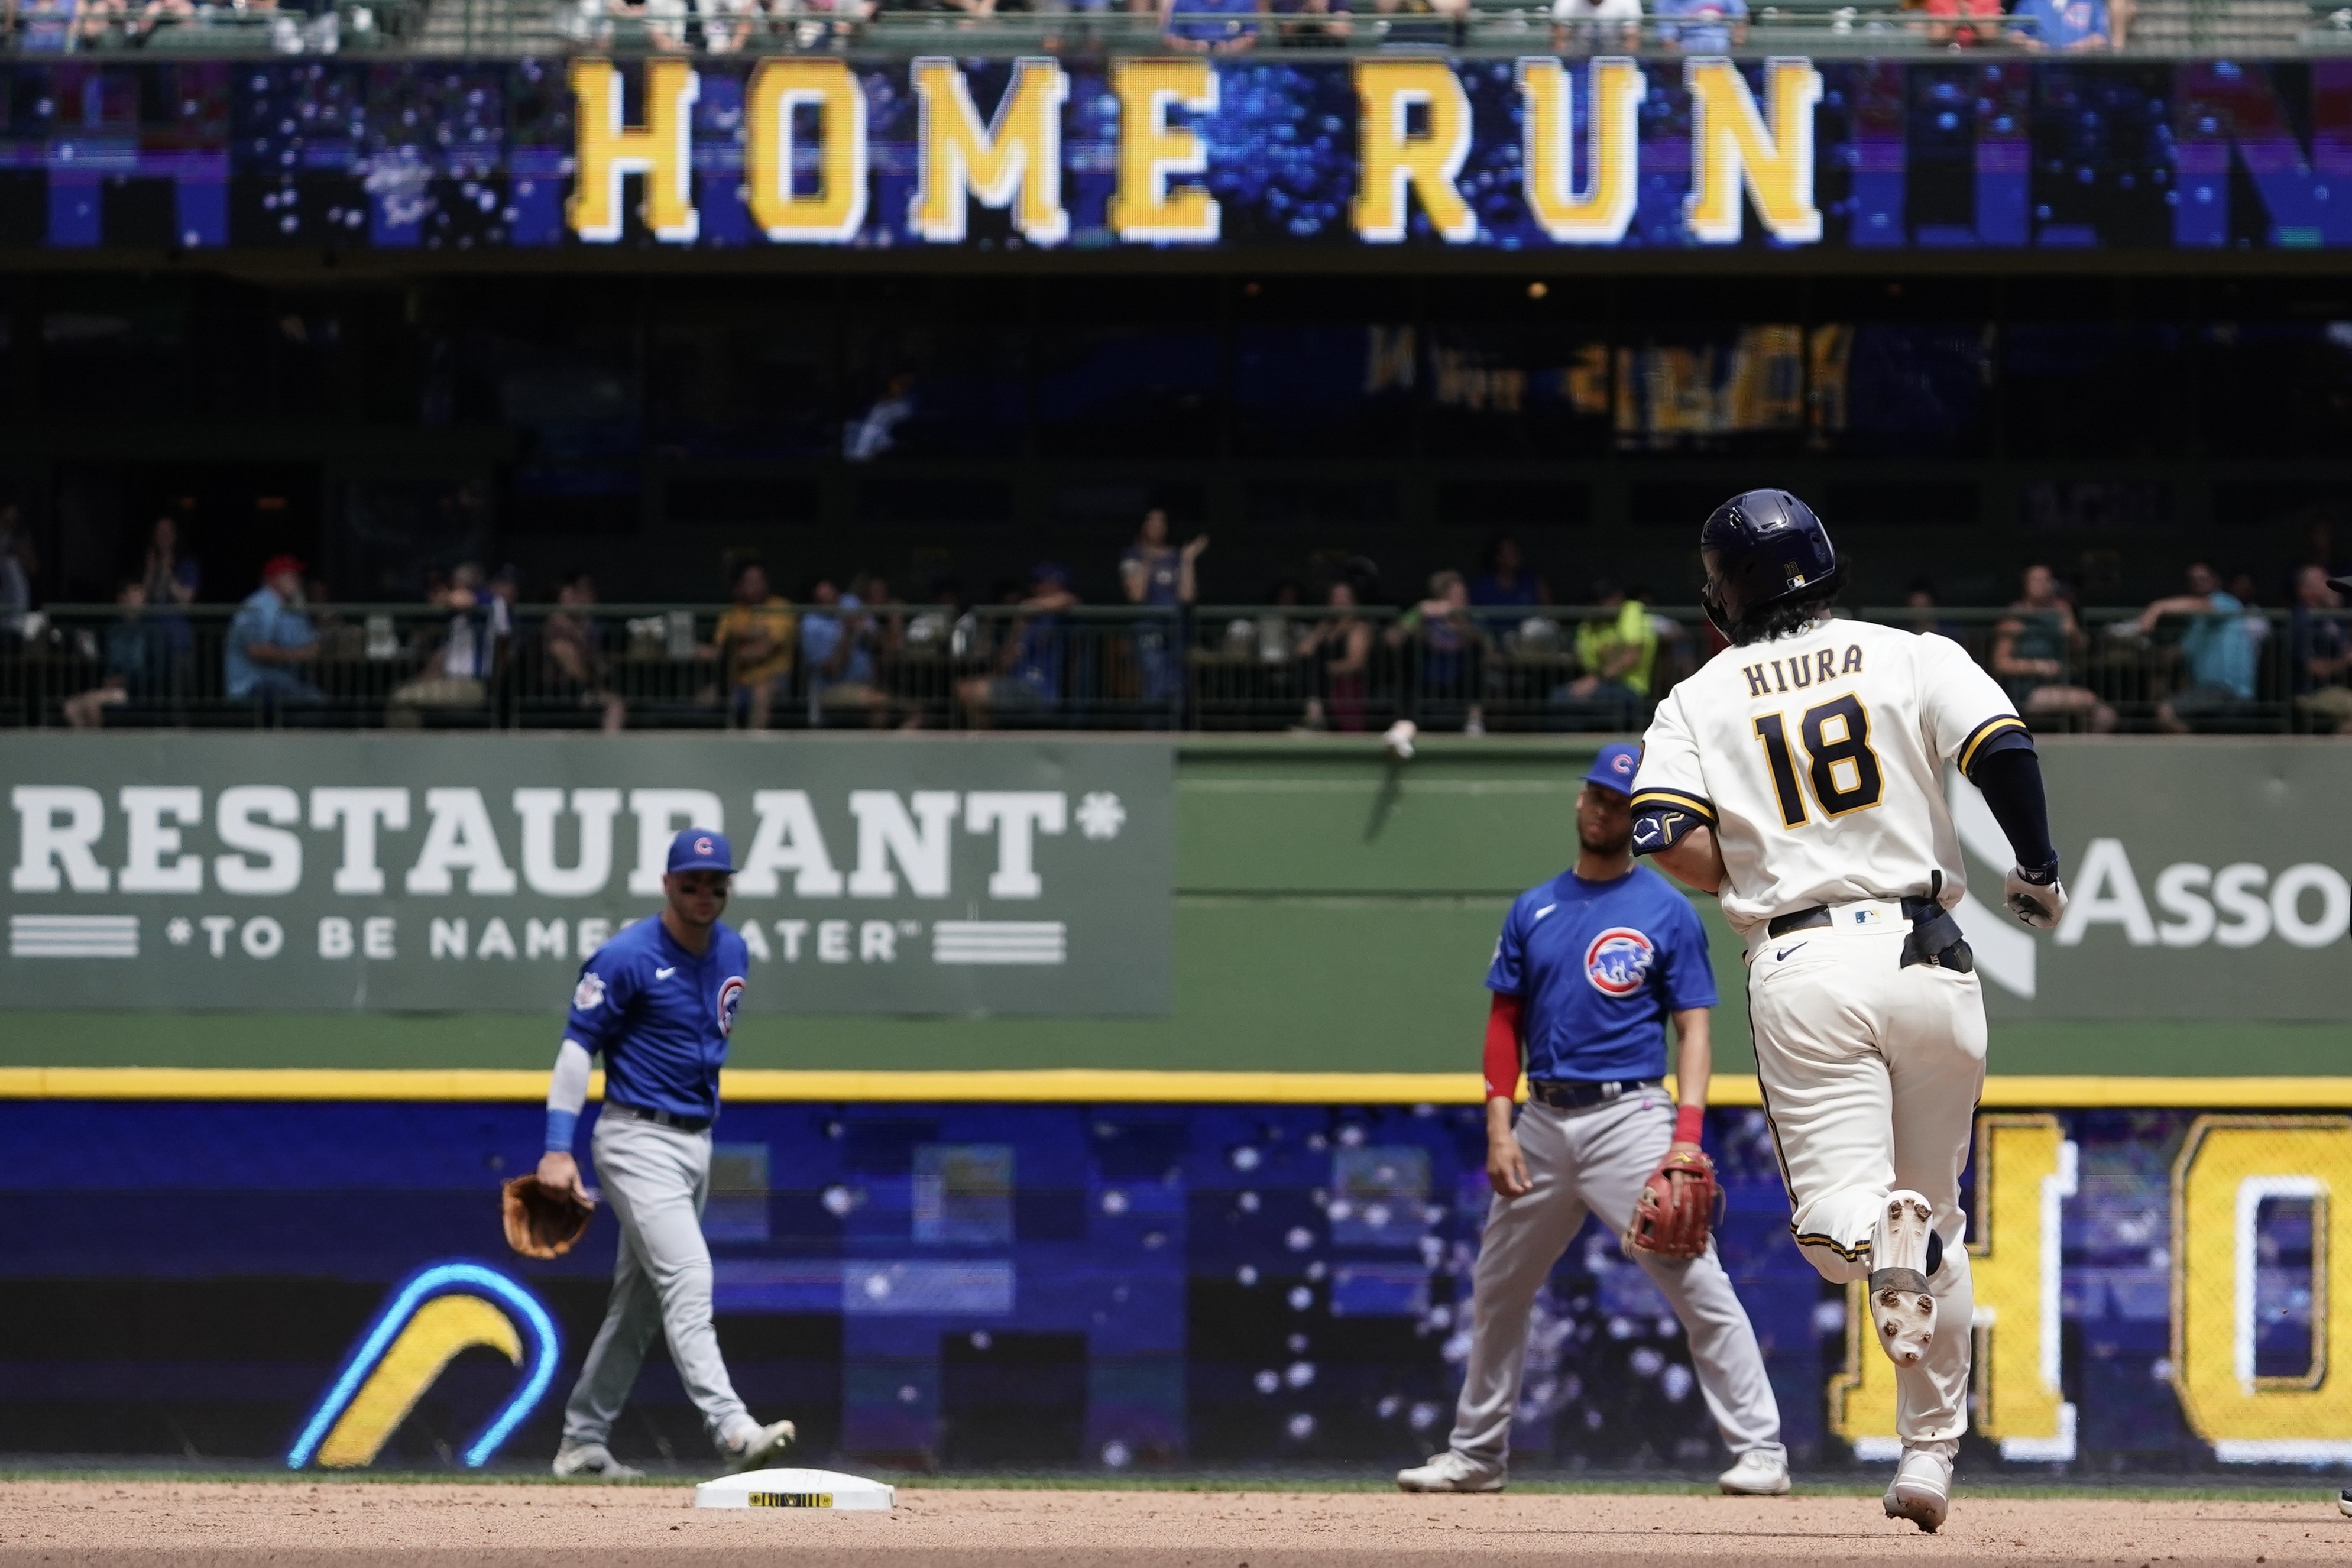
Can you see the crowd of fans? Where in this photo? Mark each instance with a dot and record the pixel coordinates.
(1331, 652)
(1236, 26)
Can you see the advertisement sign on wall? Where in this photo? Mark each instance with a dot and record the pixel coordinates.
(2211, 885)
(417, 873)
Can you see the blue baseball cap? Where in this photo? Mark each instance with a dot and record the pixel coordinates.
(1615, 766)
(700, 849)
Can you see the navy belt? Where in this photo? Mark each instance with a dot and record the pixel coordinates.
(1572, 1094)
(659, 1118)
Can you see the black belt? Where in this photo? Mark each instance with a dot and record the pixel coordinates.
(1935, 935)
(1571, 1094)
(659, 1118)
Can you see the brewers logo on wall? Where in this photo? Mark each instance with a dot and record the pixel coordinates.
(430, 1320)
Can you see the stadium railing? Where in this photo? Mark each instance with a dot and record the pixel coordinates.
(1535, 669)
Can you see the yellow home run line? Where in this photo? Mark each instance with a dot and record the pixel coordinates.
(1092, 1085)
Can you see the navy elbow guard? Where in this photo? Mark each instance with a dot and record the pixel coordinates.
(1660, 827)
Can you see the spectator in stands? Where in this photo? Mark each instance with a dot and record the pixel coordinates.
(575, 662)
(1506, 582)
(170, 581)
(1450, 642)
(1443, 27)
(136, 657)
(459, 667)
(1339, 652)
(2319, 654)
(1154, 573)
(15, 577)
(1920, 600)
(1714, 25)
(269, 636)
(1210, 26)
(2220, 655)
(1617, 654)
(1578, 25)
(2062, 25)
(837, 656)
(728, 25)
(1029, 659)
(754, 643)
(1945, 34)
(1313, 24)
(2036, 647)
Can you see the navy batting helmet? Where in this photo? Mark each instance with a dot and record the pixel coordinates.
(1761, 547)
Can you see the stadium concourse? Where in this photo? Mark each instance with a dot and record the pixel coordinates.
(307, 1525)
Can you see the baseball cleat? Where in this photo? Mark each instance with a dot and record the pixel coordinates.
(1450, 1472)
(1760, 1472)
(755, 1444)
(1399, 738)
(2344, 1502)
(592, 1462)
(1900, 1306)
(1922, 1488)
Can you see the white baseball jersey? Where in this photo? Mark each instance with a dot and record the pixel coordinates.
(1818, 758)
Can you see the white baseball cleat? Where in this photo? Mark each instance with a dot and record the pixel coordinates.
(754, 1444)
(592, 1462)
(1760, 1472)
(1900, 1307)
(1922, 1488)
(1450, 1472)
(1399, 738)
(2344, 1502)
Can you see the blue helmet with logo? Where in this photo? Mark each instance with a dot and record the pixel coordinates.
(1761, 547)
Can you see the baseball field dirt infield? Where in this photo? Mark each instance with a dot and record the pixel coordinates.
(349, 1525)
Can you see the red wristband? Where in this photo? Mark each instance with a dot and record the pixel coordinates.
(1690, 1121)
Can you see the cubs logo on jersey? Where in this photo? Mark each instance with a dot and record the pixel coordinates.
(589, 993)
(1618, 962)
(730, 996)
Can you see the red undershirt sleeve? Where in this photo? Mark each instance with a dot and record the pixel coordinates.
(1503, 1047)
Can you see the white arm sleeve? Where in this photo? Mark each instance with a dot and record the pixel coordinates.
(567, 1086)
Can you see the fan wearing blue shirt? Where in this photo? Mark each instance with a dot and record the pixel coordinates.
(660, 1001)
(1589, 967)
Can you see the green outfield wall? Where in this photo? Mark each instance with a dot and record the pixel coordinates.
(1334, 912)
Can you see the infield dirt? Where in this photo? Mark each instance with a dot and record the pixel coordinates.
(358, 1526)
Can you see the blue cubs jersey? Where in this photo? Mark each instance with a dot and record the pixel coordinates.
(1598, 966)
(660, 1015)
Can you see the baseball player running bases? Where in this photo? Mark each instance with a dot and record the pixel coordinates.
(1800, 776)
(1589, 967)
(660, 1001)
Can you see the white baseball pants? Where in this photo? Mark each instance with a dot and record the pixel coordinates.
(1871, 1076)
(655, 1179)
(1594, 1161)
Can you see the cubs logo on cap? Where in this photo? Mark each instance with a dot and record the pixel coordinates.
(1615, 766)
(700, 849)
(1618, 962)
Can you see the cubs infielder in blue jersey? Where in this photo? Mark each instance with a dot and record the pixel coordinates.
(660, 1001)
(1589, 967)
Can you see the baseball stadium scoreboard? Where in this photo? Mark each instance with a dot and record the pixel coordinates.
(1529, 157)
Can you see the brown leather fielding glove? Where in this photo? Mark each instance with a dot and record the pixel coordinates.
(541, 1221)
(1677, 1206)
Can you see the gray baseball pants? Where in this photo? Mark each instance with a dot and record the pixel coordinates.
(655, 1180)
(1595, 1160)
